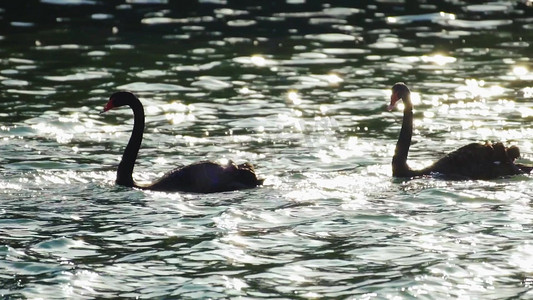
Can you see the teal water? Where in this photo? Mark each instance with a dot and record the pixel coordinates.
(299, 89)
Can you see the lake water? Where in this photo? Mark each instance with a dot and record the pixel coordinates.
(299, 89)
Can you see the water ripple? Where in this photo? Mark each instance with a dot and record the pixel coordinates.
(299, 89)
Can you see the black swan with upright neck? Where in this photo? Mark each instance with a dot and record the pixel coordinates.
(473, 161)
(201, 177)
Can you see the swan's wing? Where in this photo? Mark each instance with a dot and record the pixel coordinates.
(477, 161)
(208, 177)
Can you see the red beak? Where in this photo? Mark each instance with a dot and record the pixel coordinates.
(393, 100)
(108, 106)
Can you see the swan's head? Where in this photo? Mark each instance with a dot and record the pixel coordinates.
(399, 92)
(119, 99)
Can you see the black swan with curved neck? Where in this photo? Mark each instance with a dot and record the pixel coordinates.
(201, 177)
(473, 161)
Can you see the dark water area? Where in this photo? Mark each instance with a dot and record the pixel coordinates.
(299, 89)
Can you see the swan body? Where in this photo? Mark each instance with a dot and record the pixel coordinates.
(200, 177)
(473, 161)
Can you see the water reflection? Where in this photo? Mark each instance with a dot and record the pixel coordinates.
(299, 89)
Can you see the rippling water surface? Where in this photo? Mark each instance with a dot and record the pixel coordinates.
(299, 89)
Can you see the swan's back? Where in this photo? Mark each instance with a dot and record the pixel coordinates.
(208, 177)
(477, 161)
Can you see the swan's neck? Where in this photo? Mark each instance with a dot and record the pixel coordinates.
(399, 160)
(125, 168)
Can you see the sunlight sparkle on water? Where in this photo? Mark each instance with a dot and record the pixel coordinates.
(522, 258)
(245, 90)
(438, 59)
(520, 71)
(258, 60)
(176, 118)
(474, 88)
(160, 160)
(528, 92)
(331, 79)
(392, 20)
(84, 279)
(60, 135)
(234, 283)
(334, 79)
(303, 100)
(177, 107)
(176, 112)
(440, 16)
(294, 97)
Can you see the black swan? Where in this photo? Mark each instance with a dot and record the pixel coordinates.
(473, 161)
(201, 177)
